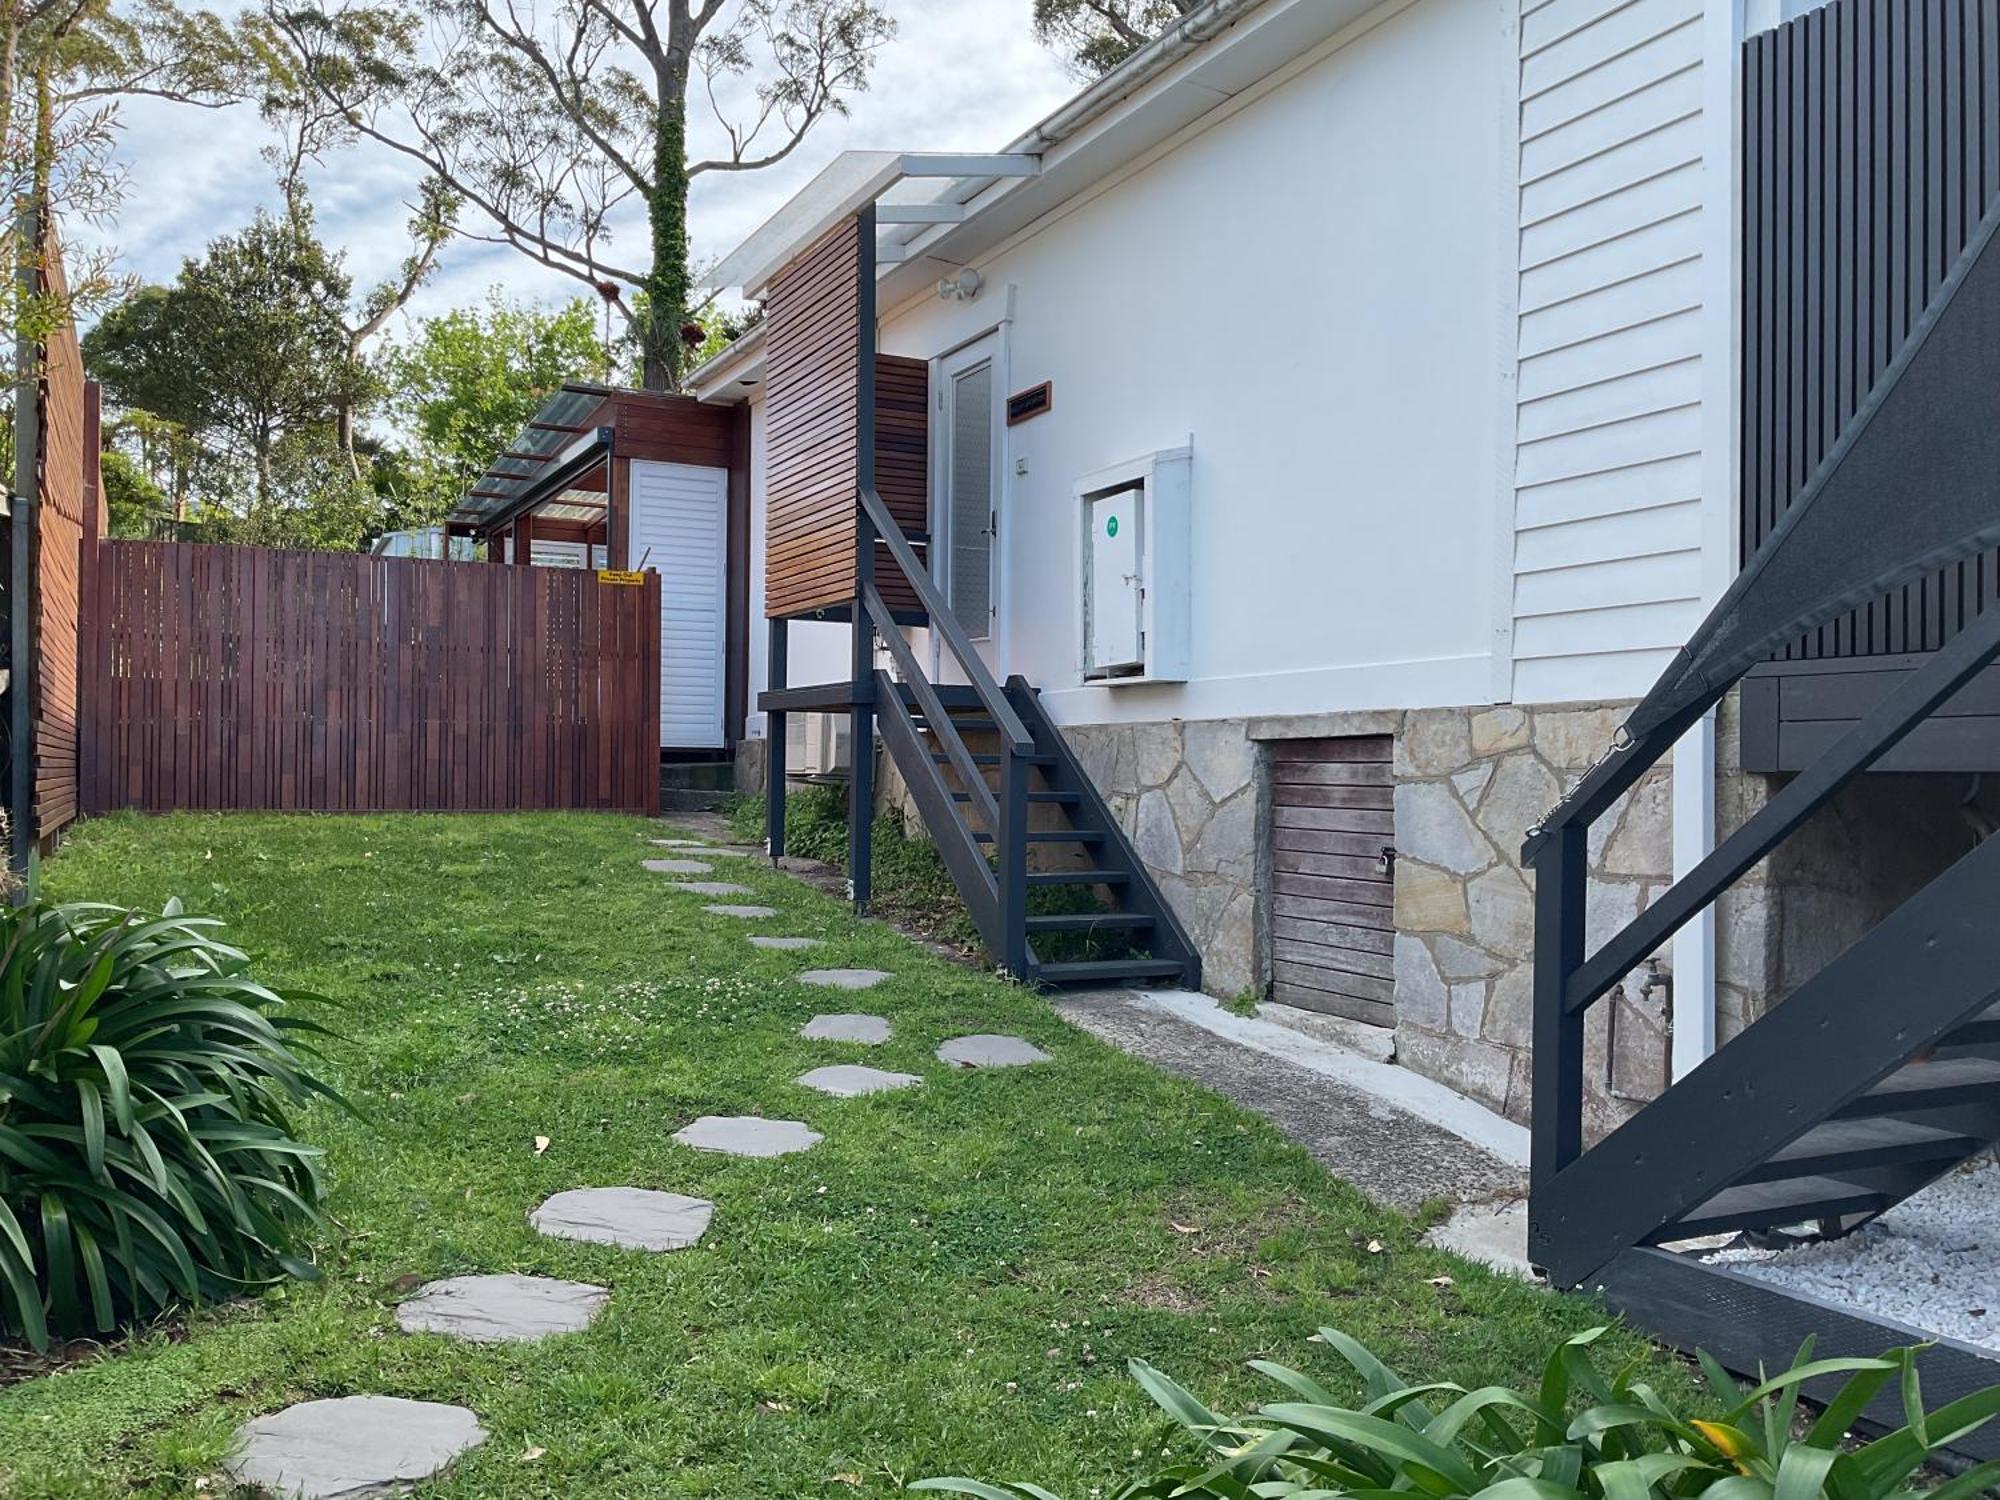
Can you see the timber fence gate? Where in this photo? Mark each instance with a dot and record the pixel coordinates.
(244, 678)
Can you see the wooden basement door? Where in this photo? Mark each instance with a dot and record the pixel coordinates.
(1332, 877)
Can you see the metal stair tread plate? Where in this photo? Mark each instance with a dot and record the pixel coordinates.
(1099, 970)
(1052, 836)
(1834, 1146)
(1106, 921)
(994, 760)
(1056, 797)
(1763, 1205)
(1078, 877)
(1932, 1084)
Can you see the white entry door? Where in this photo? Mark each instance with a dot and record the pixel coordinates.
(680, 528)
(967, 519)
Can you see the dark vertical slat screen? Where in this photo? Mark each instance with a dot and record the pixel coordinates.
(1871, 138)
(236, 678)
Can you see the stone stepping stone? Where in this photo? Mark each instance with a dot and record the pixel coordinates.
(351, 1447)
(679, 844)
(637, 1218)
(710, 888)
(869, 1030)
(679, 867)
(987, 1051)
(747, 1135)
(847, 1081)
(501, 1309)
(725, 853)
(845, 979)
(784, 944)
(747, 913)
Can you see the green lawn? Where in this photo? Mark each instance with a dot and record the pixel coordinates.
(951, 1282)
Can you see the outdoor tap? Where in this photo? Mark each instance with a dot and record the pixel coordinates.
(1658, 978)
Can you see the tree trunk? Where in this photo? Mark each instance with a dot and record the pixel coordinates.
(667, 282)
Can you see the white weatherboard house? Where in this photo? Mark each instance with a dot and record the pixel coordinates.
(1339, 416)
(1415, 311)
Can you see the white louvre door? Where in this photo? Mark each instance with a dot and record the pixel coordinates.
(680, 529)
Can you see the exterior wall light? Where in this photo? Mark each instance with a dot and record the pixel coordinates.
(961, 288)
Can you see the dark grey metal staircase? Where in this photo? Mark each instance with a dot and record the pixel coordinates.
(1882, 1072)
(1057, 891)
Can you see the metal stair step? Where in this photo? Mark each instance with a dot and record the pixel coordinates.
(1937, 1083)
(1078, 877)
(1103, 970)
(1099, 921)
(993, 760)
(1063, 798)
(1765, 1205)
(1838, 1146)
(1051, 836)
(1983, 1030)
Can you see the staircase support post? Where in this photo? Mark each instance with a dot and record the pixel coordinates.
(774, 740)
(861, 743)
(1561, 883)
(1011, 839)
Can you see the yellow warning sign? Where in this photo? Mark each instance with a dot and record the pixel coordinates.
(622, 576)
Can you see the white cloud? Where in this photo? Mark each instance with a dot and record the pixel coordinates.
(962, 75)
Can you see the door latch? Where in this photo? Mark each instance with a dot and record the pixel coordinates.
(1387, 859)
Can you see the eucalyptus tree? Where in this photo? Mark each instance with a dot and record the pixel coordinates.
(1097, 35)
(550, 121)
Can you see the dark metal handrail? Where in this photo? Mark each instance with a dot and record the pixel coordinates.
(1013, 732)
(934, 711)
(1877, 733)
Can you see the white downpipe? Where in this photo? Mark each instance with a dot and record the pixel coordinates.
(1694, 944)
(1694, 802)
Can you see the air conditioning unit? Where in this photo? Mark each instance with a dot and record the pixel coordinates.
(819, 745)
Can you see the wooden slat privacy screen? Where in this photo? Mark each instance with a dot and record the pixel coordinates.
(812, 425)
(68, 489)
(243, 678)
(1871, 140)
(813, 431)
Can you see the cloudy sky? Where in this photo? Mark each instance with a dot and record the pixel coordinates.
(961, 75)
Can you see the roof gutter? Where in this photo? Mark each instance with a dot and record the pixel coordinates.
(1138, 70)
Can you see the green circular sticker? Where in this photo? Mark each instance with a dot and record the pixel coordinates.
(1111, 527)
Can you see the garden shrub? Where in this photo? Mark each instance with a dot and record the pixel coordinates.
(147, 1154)
(1578, 1436)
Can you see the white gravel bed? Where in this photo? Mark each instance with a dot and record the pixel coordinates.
(1932, 1262)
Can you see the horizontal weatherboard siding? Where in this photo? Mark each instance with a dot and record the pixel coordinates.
(1608, 434)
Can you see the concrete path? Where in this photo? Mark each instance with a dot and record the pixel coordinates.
(1390, 1153)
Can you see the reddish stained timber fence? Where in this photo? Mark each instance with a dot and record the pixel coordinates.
(241, 678)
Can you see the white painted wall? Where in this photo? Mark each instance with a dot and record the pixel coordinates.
(1437, 309)
(1608, 568)
(1312, 288)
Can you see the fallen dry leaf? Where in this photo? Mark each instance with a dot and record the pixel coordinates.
(853, 1479)
(541, 1144)
(531, 1454)
(1442, 1281)
(1183, 1228)
(1374, 1247)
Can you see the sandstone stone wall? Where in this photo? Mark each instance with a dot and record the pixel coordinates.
(1469, 785)
(1190, 798)
(1193, 798)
